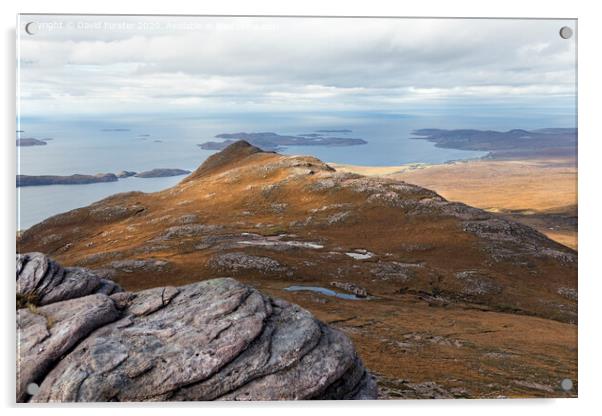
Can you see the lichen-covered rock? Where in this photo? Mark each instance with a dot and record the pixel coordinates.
(212, 340)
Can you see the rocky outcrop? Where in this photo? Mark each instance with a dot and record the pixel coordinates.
(212, 340)
(237, 261)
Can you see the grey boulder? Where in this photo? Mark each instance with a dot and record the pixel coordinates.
(212, 340)
(48, 332)
(41, 281)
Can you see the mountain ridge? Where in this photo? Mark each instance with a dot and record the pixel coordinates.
(436, 273)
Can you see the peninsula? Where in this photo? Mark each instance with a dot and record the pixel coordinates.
(77, 179)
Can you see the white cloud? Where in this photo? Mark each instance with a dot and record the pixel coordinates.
(166, 63)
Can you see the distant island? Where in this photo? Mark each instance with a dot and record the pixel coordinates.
(161, 173)
(30, 142)
(334, 131)
(79, 179)
(115, 129)
(274, 141)
(310, 135)
(38, 180)
(512, 144)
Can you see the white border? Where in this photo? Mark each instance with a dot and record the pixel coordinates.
(590, 201)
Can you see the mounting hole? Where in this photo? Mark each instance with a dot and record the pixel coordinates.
(566, 32)
(31, 28)
(32, 389)
(566, 384)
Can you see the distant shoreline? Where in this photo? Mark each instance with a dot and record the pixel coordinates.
(372, 170)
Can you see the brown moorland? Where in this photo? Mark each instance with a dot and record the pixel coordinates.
(539, 192)
(452, 301)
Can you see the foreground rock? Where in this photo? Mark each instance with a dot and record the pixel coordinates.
(216, 339)
(41, 281)
(48, 332)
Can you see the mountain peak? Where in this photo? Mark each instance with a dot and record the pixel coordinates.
(234, 153)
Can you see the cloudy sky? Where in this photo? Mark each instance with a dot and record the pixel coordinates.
(110, 65)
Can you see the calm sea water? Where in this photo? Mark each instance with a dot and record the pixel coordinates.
(140, 143)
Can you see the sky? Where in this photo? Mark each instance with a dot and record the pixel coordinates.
(83, 65)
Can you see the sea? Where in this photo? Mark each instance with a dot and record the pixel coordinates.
(109, 144)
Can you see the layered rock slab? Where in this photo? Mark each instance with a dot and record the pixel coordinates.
(41, 281)
(216, 339)
(48, 332)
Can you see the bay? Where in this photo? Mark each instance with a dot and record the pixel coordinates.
(90, 145)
